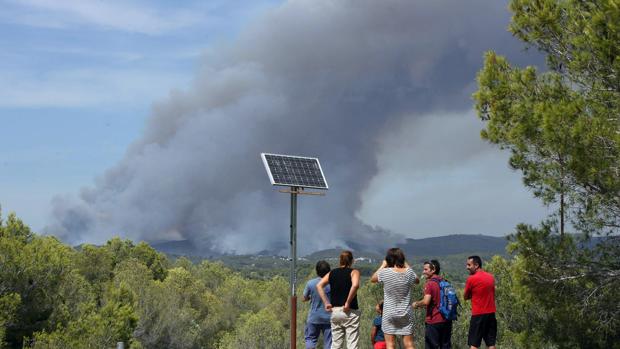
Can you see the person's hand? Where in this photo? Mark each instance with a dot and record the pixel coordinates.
(328, 307)
(346, 308)
(414, 305)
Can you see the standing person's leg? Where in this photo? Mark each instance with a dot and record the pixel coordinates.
(311, 335)
(390, 341)
(474, 339)
(431, 337)
(408, 342)
(445, 335)
(327, 336)
(337, 325)
(352, 328)
(490, 330)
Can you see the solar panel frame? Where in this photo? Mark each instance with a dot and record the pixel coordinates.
(294, 171)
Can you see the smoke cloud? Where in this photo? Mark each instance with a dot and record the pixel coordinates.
(321, 78)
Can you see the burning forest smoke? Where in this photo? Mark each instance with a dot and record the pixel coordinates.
(321, 78)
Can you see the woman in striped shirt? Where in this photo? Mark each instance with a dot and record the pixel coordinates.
(397, 278)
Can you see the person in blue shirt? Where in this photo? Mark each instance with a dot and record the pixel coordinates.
(318, 318)
(376, 334)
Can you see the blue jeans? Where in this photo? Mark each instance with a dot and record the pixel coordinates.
(312, 332)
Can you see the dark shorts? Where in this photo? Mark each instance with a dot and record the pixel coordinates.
(482, 327)
(438, 336)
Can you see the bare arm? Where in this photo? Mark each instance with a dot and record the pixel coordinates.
(422, 302)
(373, 333)
(319, 287)
(355, 284)
(417, 279)
(375, 276)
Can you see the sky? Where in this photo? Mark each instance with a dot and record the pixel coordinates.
(146, 119)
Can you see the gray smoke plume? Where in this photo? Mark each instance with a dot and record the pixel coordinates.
(321, 78)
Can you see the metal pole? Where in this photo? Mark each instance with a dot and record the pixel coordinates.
(293, 266)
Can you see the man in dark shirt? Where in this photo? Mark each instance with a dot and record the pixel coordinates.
(438, 332)
(480, 288)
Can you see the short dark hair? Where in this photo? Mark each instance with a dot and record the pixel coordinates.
(434, 264)
(322, 268)
(476, 260)
(395, 257)
(346, 258)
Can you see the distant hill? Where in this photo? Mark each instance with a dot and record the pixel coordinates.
(416, 250)
(455, 244)
(179, 248)
(427, 247)
(450, 250)
(333, 253)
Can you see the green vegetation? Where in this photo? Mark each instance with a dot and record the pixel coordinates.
(54, 296)
(557, 288)
(562, 128)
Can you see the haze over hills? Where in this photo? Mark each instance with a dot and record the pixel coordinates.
(455, 244)
(435, 246)
(450, 250)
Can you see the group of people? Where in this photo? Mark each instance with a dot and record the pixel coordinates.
(335, 313)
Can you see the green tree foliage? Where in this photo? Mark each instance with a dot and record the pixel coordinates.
(54, 296)
(14, 228)
(95, 264)
(94, 328)
(8, 307)
(264, 329)
(172, 311)
(155, 261)
(562, 128)
(208, 305)
(519, 315)
(95, 296)
(574, 283)
(34, 268)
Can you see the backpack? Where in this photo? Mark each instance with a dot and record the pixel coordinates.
(448, 301)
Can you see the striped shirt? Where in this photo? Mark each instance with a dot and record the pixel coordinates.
(397, 311)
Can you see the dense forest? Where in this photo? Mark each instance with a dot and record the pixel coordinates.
(557, 286)
(56, 296)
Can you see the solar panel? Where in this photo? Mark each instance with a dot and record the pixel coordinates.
(294, 171)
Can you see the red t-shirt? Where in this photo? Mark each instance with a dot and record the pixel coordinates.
(433, 316)
(481, 288)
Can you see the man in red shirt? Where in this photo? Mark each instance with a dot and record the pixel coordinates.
(438, 332)
(480, 288)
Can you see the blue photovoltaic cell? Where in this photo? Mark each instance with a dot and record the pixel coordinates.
(294, 171)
